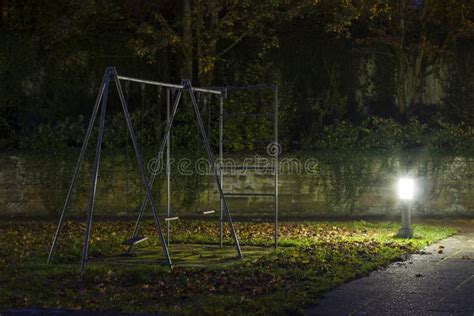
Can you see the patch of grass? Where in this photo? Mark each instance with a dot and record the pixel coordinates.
(313, 258)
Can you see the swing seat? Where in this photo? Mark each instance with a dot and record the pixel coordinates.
(208, 212)
(134, 240)
(168, 219)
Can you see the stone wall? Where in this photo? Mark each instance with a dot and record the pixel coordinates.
(325, 184)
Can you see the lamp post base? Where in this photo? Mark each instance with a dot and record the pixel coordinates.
(405, 233)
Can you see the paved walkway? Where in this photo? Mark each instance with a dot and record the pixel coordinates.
(439, 281)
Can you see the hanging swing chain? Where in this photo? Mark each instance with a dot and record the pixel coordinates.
(206, 107)
(158, 106)
(127, 158)
(209, 137)
(142, 112)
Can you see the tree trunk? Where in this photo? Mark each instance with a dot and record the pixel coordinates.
(406, 89)
(207, 51)
(409, 79)
(187, 60)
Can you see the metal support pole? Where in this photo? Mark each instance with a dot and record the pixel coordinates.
(95, 172)
(158, 159)
(188, 86)
(221, 167)
(406, 231)
(141, 166)
(276, 164)
(127, 99)
(142, 110)
(78, 166)
(168, 167)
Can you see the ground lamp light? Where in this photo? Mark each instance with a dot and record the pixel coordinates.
(406, 193)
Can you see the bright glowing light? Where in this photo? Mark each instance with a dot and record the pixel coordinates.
(406, 188)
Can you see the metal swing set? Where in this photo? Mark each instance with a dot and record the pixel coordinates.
(111, 76)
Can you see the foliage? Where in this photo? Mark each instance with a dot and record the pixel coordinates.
(460, 88)
(453, 137)
(314, 257)
(203, 32)
(378, 133)
(55, 137)
(415, 34)
(334, 60)
(374, 133)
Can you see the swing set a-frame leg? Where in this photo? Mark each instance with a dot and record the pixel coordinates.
(110, 74)
(78, 167)
(141, 166)
(95, 173)
(187, 85)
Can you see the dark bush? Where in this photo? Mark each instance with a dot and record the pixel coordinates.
(378, 133)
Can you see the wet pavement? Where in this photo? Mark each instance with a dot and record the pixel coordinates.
(438, 281)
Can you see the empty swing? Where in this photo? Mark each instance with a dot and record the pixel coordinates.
(168, 217)
(207, 210)
(135, 239)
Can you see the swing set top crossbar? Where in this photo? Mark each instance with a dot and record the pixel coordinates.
(169, 85)
(245, 87)
(213, 90)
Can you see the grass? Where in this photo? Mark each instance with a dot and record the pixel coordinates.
(313, 258)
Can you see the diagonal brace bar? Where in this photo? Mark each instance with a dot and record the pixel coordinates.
(213, 164)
